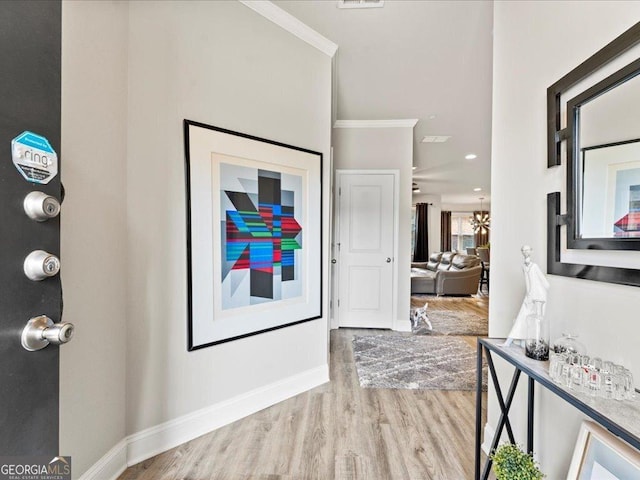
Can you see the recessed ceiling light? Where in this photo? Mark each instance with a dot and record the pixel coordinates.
(413, 168)
(436, 138)
(360, 3)
(416, 191)
(470, 156)
(477, 189)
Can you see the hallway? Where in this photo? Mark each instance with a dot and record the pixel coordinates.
(337, 431)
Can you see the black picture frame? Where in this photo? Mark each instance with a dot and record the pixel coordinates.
(286, 183)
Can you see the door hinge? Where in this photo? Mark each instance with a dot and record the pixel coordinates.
(338, 303)
(339, 191)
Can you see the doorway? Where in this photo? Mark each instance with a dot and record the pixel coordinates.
(366, 242)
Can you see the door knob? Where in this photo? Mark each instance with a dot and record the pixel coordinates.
(41, 331)
(41, 207)
(333, 260)
(40, 265)
(388, 260)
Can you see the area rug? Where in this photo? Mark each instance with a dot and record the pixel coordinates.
(415, 362)
(449, 322)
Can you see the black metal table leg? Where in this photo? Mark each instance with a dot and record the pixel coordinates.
(504, 419)
(530, 391)
(478, 409)
(496, 384)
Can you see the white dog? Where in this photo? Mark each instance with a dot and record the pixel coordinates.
(420, 314)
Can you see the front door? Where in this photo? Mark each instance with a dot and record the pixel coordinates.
(366, 226)
(30, 34)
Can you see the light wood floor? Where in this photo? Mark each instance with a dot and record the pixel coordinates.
(338, 431)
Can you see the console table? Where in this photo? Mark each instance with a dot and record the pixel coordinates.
(620, 417)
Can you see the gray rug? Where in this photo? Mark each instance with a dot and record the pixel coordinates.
(447, 322)
(415, 362)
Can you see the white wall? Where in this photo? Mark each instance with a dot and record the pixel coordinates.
(384, 148)
(535, 45)
(94, 256)
(218, 63)
(132, 71)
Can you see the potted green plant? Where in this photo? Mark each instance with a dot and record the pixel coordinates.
(510, 462)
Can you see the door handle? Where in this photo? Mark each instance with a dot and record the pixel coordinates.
(388, 259)
(333, 260)
(41, 331)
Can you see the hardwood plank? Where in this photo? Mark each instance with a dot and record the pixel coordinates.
(338, 431)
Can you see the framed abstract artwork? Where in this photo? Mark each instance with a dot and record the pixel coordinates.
(600, 455)
(254, 234)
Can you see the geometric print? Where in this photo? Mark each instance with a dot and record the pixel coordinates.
(262, 233)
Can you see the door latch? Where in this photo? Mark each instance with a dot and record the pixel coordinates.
(41, 207)
(41, 331)
(40, 265)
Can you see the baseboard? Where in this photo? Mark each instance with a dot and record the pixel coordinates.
(110, 466)
(163, 437)
(402, 325)
(489, 432)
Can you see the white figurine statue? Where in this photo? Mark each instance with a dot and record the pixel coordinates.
(537, 286)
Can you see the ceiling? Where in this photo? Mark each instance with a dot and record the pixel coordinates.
(430, 60)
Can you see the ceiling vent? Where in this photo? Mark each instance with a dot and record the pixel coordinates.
(435, 138)
(360, 3)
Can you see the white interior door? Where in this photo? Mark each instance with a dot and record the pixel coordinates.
(366, 223)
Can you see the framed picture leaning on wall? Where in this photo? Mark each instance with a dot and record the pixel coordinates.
(600, 455)
(254, 234)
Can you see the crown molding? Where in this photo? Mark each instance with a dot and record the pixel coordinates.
(291, 24)
(398, 123)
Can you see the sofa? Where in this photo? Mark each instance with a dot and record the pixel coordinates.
(447, 273)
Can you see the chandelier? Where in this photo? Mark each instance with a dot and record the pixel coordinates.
(480, 221)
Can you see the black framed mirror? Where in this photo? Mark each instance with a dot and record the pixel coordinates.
(603, 164)
(602, 137)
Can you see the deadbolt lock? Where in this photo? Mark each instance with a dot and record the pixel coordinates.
(41, 207)
(40, 265)
(41, 331)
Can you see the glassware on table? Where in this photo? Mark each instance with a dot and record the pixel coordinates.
(619, 382)
(607, 374)
(537, 342)
(568, 343)
(556, 361)
(629, 384)
(584, 363)
(579, 376)
(592, 376)
(595, 379)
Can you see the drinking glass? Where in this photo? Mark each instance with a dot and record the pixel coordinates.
(556, 360)
(630, 385)
(607, 379)
(619, 382)
(595, 380)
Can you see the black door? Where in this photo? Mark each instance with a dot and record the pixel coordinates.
(30, 33)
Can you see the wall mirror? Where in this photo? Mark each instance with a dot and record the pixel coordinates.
(605, 148)
(602, 136)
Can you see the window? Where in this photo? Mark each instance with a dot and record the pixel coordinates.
(462, 236)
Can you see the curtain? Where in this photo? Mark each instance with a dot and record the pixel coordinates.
(445, 231)
(421, 251)
(480, 238)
